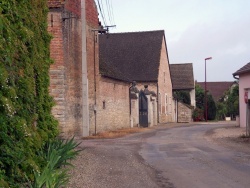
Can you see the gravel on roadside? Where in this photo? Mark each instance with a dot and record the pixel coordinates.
(111, 165)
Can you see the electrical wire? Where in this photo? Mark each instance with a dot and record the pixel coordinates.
(101, 12)
(112, 13)
(104, 12)
(113, 18)
(108, 10)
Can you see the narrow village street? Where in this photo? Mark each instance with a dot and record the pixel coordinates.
(182, 156)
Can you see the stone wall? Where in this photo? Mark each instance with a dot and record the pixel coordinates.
(135, 112)
(164, 88)
(112, 106)
(184, 113)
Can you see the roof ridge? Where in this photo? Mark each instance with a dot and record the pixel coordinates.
(180, 63)
(217, 82)
(130, 32)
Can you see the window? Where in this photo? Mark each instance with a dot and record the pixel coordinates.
(159, 103)
(170, 105)
(103, 105)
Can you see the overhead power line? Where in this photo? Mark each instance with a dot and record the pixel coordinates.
(101, 12)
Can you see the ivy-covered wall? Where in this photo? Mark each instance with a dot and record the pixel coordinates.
(26, 123)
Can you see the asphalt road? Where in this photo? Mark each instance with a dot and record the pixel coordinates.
(180, 157)
(187, 159)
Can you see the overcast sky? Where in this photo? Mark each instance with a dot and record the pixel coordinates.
(194, 30)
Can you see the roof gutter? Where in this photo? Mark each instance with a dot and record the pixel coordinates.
(240, 72)
(237, 78)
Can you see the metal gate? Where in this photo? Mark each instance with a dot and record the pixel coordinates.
(143, 109)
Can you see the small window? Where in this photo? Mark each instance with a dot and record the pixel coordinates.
(103, 105)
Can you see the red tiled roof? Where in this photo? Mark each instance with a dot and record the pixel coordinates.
(217, 89)
(182, 76)
(55, 3)
(243, 69)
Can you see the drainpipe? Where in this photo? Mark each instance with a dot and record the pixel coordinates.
(95, 41)
(94, 81)
(85, 97)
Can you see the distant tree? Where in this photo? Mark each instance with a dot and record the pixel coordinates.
(183, 96)
(221, 110)
(211, 107)
(200, 102)
(232, 101)
(199, 97)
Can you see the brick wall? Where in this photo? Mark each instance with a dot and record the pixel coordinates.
(66, 73)
(91, 14)
(57, 70)
(73, 6)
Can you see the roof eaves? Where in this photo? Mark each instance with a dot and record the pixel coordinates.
(242, 70)
(114, 78)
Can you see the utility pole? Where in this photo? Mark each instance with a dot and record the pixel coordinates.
(208, 58)
(85, 97)
(99, 30)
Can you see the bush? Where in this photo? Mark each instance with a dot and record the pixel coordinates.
(183, 96)
(26, 122)
(198, 114)
(211, 108)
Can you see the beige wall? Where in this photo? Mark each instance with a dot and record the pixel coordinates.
(244, 84)
(165, 88)
(166, 105)
(135, 112)
(184, 113)
(112, 110)
(192, 98)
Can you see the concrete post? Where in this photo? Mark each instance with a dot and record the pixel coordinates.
(85, 97)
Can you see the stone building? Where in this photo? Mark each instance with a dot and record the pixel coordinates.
(183, 80)
(73, 26)
(141, 57)
(83, 106)
(92, 97)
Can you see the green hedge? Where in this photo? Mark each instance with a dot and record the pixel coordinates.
(26, 123)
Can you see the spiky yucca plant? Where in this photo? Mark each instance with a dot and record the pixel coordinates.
(57, 155)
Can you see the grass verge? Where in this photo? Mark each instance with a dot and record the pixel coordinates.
(117, 133)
